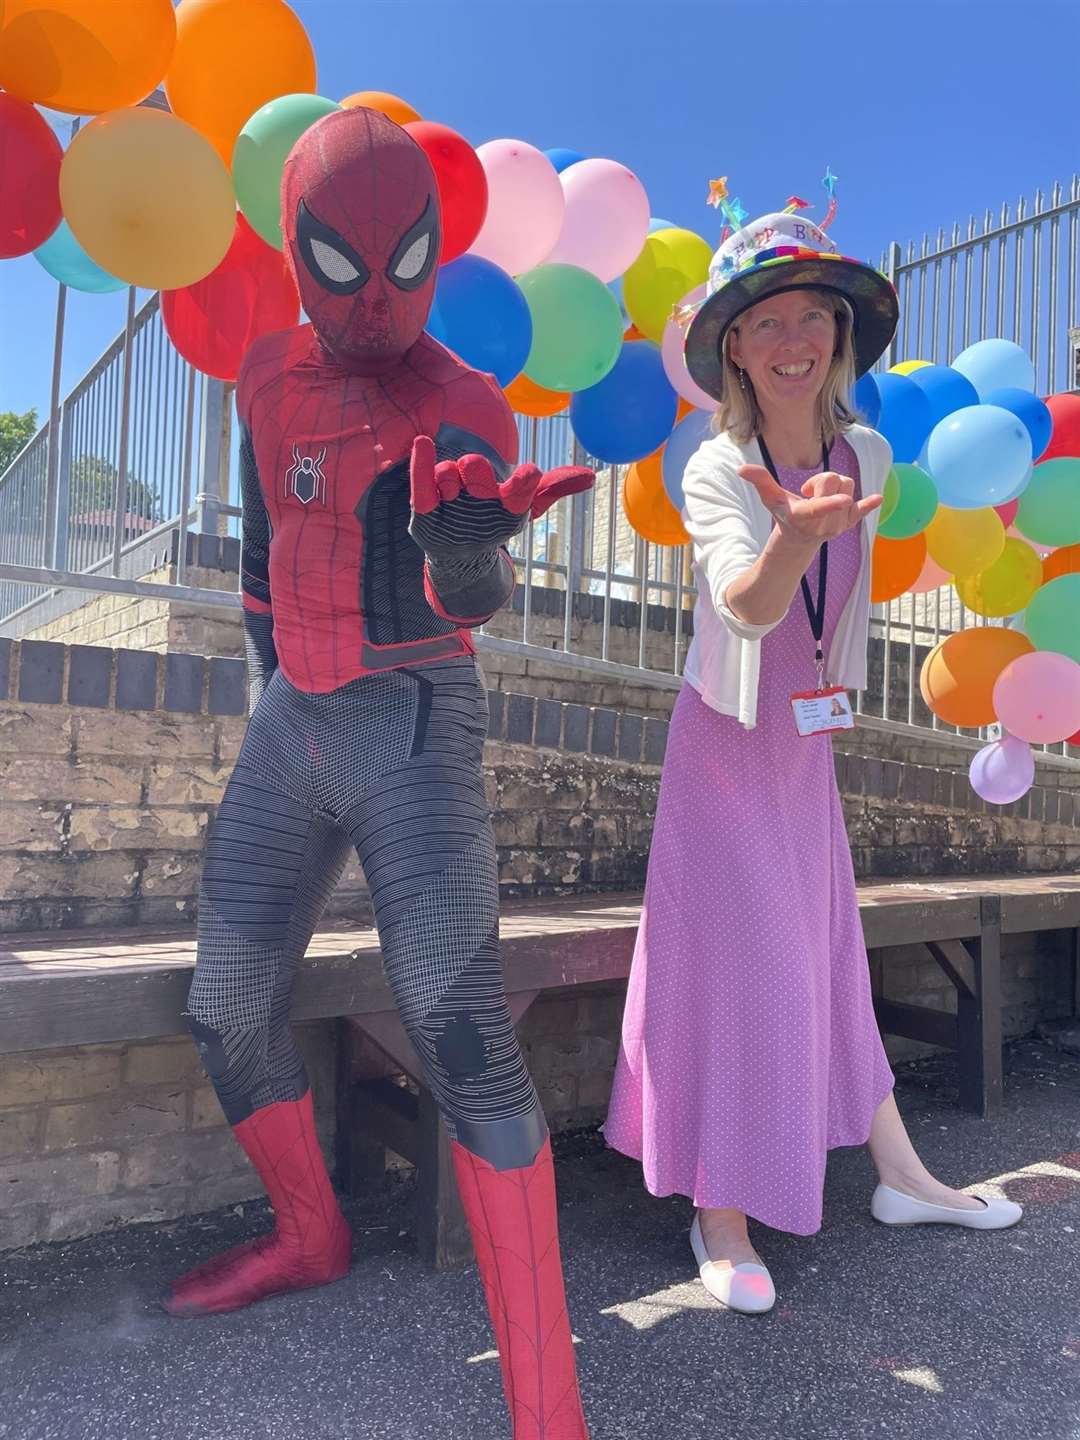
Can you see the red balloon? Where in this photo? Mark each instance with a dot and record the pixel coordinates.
(30, 156)
(1073, 739)
(463, 189)
(1065, 436)
(1008, 512)
(251, 292)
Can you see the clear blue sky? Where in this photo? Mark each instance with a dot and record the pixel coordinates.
(926, 112)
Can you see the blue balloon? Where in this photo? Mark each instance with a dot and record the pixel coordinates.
(65, 260)
(616, 288)
(905, 419)
(690, 433)
(657, 224)
(630, 413)
(481, 315)
(978, 456)
(563, 159)
(1029, 409)
(996, 365)
(866, 399)
(945, 388)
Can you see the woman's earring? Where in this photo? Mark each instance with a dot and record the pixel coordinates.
(742, 379)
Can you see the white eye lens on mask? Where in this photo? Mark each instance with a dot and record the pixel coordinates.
(333, 264)
(414, 259)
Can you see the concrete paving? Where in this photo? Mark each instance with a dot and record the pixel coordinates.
(923, 1334)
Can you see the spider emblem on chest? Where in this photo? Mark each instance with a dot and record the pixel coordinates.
(305, 477)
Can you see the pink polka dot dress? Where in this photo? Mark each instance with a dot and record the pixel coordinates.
(749, 1044)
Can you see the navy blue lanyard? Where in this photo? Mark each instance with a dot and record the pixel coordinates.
(814, 613)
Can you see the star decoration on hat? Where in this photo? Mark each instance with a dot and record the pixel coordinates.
(829, 183)
(718, 192)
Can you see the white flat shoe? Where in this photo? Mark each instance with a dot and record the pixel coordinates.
(892, 1207)
(747, 1288)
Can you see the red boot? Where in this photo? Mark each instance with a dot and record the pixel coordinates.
(310, 1244)
(511, 1214)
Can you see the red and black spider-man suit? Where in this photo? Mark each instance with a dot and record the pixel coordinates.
(378, 493)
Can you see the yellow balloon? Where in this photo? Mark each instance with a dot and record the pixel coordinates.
(672, 263)
(148, 198)
(965, 542)
(907, 366)
(1006, 586)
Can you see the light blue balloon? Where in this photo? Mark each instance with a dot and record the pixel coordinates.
(655, 224)
(690, 433)
(616, 288)
(978, 456)
(1024, 483)
(1031, 410)
(65, 260)
(996, 365)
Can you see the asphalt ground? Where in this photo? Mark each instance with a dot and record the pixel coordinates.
(922, 1334)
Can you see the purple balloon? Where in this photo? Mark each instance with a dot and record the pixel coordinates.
(1003, 771)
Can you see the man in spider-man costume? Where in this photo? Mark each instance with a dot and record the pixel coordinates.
(379, 491)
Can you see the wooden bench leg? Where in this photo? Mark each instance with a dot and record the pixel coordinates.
(979, 1018)
(359, 1157)
(442, 1230)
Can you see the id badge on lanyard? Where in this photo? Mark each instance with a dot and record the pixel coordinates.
(824, 709)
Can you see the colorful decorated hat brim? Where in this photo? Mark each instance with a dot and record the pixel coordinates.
(770, 272)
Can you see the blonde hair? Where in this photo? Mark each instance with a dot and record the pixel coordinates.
(739, 414)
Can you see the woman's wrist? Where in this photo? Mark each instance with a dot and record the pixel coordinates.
(789, 546)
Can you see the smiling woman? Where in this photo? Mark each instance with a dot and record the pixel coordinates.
(779, 349)
(749, 1042)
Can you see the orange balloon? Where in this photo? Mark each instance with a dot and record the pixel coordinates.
(85, 56)
(232, 58)
(400, 111)
(633, 333)
(650, 470)
(895, 567)
(647, 506)
(528, 398)
(959, 675)
(1065, 561)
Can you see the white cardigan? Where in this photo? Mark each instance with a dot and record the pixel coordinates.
(729, 526)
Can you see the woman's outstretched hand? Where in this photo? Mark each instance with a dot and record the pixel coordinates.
(828, 507)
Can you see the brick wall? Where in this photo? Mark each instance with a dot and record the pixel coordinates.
(112, 764)
(108, 1135)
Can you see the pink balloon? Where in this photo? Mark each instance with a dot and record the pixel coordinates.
(1003, 771)
(671, 352)
(525, 206)
(1041, 550)
(931, 577)
(606, 221)
(1037, 696)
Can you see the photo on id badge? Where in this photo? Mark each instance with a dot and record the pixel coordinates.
(818, 712)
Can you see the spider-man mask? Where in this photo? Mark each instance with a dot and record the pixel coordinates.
(360, 214)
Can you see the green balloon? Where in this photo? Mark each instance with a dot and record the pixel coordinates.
(890, 496)
(916, 503)
(259, 156)
(577, 327)
(1051, 620)
(1049, 510)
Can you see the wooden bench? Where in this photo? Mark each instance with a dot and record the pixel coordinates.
(68, 988)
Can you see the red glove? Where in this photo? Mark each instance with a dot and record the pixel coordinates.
(527, 491)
